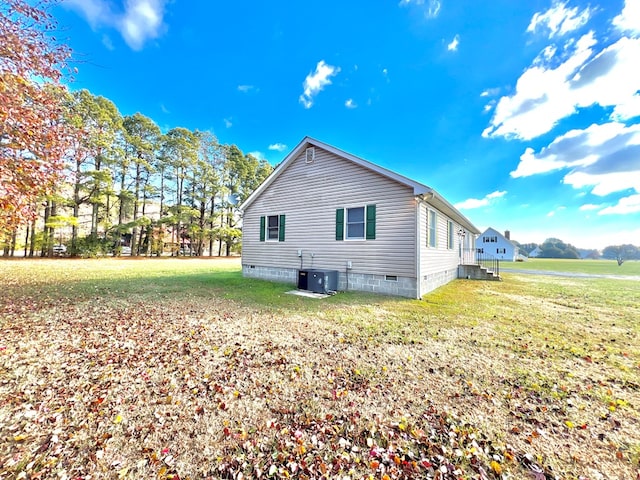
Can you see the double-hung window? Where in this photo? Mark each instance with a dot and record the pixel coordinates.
(432, 228)
(272, 228)
(356, 223)
(450, 235)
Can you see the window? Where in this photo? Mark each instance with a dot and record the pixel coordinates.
(356, 223)
(480, 250)
(432, 224)
(272, 228)
(501, 250)
(450, 234)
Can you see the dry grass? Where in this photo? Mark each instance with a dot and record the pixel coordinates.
(155, 369)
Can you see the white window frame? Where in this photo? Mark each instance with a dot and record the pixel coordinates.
(269, 228)
(364, 223)
(432, 228)
(450, 237)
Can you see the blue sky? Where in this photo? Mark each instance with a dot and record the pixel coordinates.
(523, 114)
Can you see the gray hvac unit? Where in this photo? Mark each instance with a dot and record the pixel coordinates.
(318, 281)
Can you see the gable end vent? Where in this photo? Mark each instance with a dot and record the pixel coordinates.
(310, 155)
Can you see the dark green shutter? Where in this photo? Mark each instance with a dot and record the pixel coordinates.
(340, 224)
(281, 229)
(262, 224)
(371, 222)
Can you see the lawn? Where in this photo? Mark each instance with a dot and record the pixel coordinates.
(179, 368)
(591, 267)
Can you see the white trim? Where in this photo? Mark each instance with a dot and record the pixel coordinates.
(418, 245)
(429, 228)
(266, 229)
(364, 223)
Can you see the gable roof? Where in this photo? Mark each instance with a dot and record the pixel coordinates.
(497, 233)
(419, 190)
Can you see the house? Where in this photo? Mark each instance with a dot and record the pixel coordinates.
(324, 208)
(493, 243)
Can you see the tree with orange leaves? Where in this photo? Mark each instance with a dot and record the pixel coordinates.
(33, 135)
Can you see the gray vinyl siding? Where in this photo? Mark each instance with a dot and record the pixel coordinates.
(441, 258)
(309, 194)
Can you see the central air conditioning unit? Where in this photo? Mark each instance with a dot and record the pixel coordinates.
(318, 281)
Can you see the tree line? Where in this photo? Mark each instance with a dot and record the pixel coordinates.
(74, 170)
(556, 248)
(136, 186)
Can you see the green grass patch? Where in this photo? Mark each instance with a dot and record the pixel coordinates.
(593, 267)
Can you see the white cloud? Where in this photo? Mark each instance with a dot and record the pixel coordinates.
(315, 82)
(163, 108)
(545, 95)
(228, 123)
(627, 110)
(472, 203)
(604, 183)
(559, 20)
(350, 103)
(246, 88)
(589, 207)
(626, 205)
(580, 73)
(257, 154)
(546, 55)
(107, 42)
(605, 157)
(453, 45)
(278, 147)
(552, 213)
(140, 20)
(430, 8)
(497, 194)
(95, 11)
(629, 18)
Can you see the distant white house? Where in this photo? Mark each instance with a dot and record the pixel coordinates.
(494, 244)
